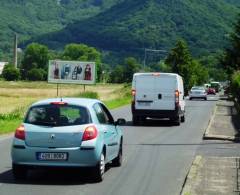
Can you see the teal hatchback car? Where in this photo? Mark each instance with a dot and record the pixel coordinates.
(67, 132)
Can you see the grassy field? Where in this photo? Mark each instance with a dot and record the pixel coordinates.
(15, 97)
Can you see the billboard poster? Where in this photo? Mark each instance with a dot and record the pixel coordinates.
(71, 72)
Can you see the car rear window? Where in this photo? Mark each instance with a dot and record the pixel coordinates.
(198, 88)
(58, 115)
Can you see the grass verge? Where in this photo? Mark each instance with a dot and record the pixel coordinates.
(9, 122)
(8, 125)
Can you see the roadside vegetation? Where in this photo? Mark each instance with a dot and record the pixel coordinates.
(18, 96)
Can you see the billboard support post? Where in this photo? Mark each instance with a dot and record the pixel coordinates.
(57, 89)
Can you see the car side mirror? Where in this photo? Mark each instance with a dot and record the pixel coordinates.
(120, 121)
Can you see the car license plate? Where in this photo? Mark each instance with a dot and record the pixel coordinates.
(144, 103)
(52, 156)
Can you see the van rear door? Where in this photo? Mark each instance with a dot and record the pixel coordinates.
(145, 91)
(155, 92)
(165, 86)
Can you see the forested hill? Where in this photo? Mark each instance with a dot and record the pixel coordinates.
(136, 24)
(30, 18)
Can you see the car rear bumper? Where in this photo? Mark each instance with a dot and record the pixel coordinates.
(198, 96)
(157, 113)
(77, 157)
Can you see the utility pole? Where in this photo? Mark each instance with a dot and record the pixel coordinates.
(15, 51)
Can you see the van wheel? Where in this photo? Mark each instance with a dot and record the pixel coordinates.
(183, 118)
(135, 120)
(176, 121)
(19, 172)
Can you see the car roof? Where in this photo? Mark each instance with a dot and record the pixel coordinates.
(86, 102)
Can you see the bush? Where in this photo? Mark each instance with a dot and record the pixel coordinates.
(37, 74)
(10, 73)
(89, 94)
(236, 85)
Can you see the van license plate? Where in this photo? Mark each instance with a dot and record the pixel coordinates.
(59, 156)
(144, 103)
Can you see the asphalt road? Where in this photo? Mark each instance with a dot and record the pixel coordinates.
(157, 158)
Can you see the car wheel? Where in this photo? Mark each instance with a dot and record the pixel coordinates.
(117, 162)
(183, 118)
(205, 99)
(19, 172)
(190, 98)
(99, 170)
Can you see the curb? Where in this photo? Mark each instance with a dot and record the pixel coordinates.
(186, 188)
(221, 137)
(208, 136)
(206, 133)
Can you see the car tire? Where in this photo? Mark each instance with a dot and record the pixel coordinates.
(205, 99)
(190, 98)
(183, 118)
(117, 162)
(19, 172)
(99, 169)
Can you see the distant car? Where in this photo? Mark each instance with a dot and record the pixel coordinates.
(211, 91)
(198, 92)
(67, 132)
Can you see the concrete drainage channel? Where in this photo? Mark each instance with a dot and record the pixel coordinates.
(213, 175)
(217, 175)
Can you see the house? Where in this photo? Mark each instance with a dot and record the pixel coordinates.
(2, 64)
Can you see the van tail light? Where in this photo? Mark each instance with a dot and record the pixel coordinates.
(90, 133)
(20, 132)
(177, 94)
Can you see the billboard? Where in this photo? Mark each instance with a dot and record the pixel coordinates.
(71, 72)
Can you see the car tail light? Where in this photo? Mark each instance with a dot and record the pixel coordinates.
(20, 132)
(90, 133)
(177, 97)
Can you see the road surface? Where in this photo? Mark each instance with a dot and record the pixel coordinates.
(157, 158)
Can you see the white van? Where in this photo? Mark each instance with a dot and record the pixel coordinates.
(158, 95)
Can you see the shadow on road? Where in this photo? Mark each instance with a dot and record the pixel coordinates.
(53, 176)
(151, 123)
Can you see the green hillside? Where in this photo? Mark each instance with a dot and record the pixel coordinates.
(133, 25)
(30, 18)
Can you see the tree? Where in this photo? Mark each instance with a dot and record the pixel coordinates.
(83, 52)
(117, 75)
(231, 59)
(37, 74)
(182, 63)
(10, 73)
(179, 56)
(35, 56)
(131, 66)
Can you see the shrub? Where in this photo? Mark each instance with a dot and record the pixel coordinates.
(89, 94)
(10, 73)
(36, 74)
(236, 85)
